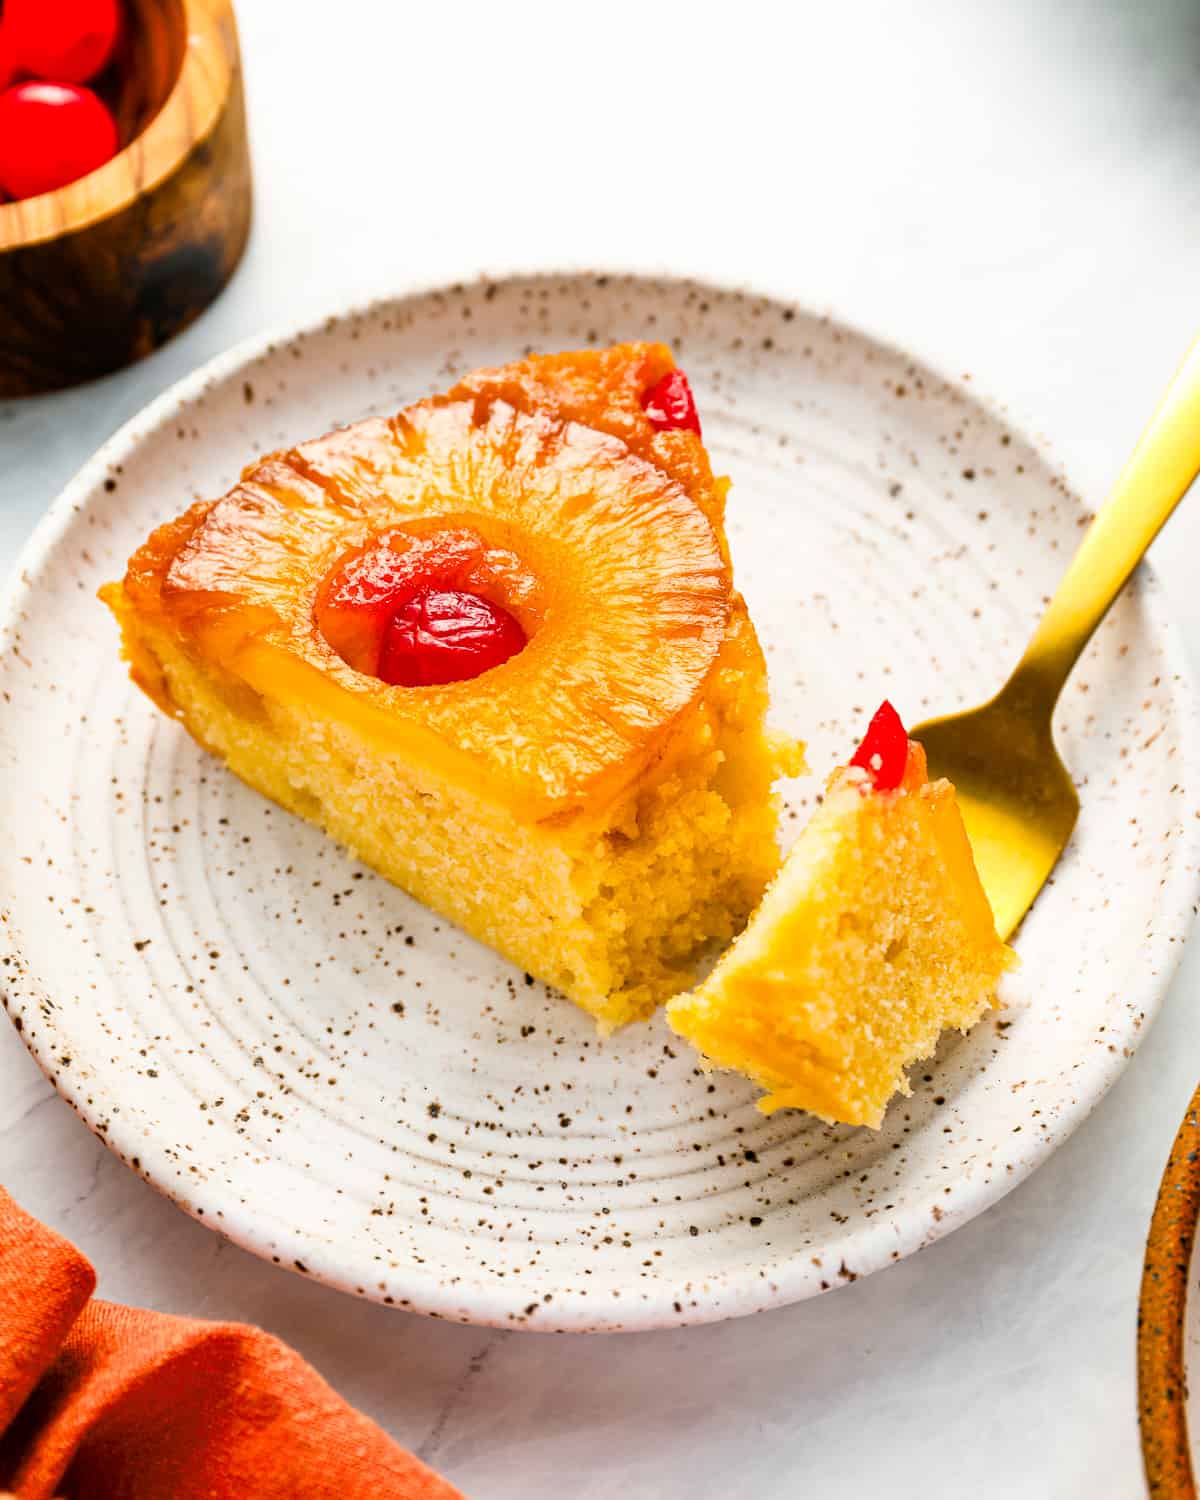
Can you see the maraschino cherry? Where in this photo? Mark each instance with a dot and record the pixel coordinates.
(413, 610)
(63, 41)
(446, 635)
(8, 63)
(883, 753)
(670, 405)
(53, 130)
(51, 134)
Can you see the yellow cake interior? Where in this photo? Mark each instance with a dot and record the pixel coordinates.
(874, 938)
(611, 906)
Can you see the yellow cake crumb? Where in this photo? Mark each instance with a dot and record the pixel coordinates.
(874, 938)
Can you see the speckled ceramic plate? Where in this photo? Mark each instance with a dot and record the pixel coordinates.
(327, 1073)
(1169, 1323)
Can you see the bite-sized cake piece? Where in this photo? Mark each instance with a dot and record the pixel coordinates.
(493, 646)
(874, 938)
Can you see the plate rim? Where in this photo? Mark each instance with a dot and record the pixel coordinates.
(785, 1285)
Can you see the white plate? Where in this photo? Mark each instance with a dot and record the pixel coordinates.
(334, 1078)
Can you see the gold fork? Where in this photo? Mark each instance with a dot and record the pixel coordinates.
(1017, 798)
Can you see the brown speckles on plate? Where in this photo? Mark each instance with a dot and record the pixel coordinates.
(332, 1076)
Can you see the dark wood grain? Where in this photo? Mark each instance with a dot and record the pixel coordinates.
(104, 271)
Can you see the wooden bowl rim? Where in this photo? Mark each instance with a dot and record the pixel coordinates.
(188, 114)
(1162, 1318)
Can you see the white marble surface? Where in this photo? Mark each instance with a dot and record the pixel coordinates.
(1011, 189)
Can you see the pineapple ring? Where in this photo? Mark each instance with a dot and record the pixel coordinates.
(626, 590)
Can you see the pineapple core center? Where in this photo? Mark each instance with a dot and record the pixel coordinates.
(415, 608)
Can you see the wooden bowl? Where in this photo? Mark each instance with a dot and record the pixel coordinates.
(106, 269)
(1169, 1321)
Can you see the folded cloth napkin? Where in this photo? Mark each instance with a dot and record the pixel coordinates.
(100, 1402)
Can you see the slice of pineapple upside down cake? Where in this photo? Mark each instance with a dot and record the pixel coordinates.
(493, 646)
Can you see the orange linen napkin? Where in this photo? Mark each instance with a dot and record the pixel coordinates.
(100, 1402)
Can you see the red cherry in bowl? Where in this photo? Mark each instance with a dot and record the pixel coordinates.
(51, 134)
(8, 63)
(66, 41)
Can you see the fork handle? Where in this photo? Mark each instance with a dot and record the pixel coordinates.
(1152, 483)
